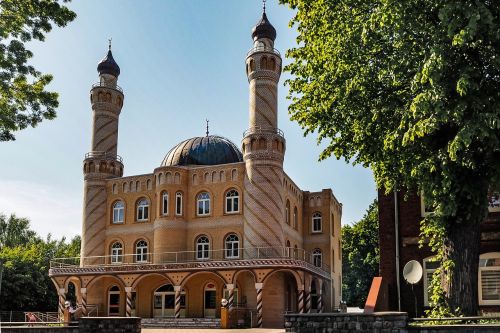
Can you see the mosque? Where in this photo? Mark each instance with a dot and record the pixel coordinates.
(211, 222)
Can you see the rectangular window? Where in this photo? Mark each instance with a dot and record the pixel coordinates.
(489, 279)
(429, 269)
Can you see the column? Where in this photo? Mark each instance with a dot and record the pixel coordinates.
(83, 293)
(128, 307)
(177, 290)
(300, 299)
(230, 300)
(320, 301)
(62, 300)
(258, 288)
(308, 301)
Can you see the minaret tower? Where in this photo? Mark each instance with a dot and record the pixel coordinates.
(102, 162)
(263, 143)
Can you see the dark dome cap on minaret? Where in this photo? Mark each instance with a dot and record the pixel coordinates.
(264, 29)
(108, 65)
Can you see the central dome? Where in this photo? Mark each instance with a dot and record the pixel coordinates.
(205, 150)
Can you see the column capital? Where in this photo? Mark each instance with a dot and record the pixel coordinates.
(259, 285)
(230, 286)
(177, 288)
(300, 288)
(128, 289)
(83, 290)
(62, 291)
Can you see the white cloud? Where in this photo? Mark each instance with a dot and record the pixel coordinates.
(50, 209)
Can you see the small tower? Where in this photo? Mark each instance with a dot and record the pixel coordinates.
(263, 143)
(102, 162)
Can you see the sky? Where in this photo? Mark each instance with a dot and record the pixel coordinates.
(181, 62)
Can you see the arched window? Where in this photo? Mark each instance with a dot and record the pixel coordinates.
(272, 64)
(203, 204)
(116, 253)
(316, 222)
(295, 218)
(164, 203)
(317, 257)
(141, 251)
(232, 246)
(287, 212)
(118, 212)
(142, 210)
(263, 63)
(232, 201)
(202, 248)
(178, 203)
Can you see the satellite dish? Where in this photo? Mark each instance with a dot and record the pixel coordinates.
(412, 272)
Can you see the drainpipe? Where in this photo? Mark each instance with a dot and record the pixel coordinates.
(396, 233)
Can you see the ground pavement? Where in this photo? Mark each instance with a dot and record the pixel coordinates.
(200, 330)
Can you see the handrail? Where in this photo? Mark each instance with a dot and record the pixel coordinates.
(105, 85)
(256, 49)
(103, 155)
(190, 257)
(265, 130)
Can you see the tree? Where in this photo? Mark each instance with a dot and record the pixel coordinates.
(412, 90)
(15, 231)
(23, 98)
(360, 257)
(25, 262)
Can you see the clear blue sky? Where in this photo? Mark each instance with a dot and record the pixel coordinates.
(181, 62)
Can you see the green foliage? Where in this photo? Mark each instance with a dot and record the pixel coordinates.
(360, 257)
(410, 89)
(23, 98)
(24, 260)
(15, 231)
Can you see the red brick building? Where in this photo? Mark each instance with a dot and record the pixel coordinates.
(406, 214)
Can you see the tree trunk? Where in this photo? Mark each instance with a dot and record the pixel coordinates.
(461, 246)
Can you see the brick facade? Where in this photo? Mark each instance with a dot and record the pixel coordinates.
(409, 216)
(280, 264)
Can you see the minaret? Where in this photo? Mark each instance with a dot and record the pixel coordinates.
(102, 162)
(263, 143)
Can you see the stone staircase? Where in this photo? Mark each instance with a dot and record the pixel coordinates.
(181, 323)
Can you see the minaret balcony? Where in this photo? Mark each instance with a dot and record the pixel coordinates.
(202, 260)
(102, 155)
(263, 48)
(107, 85)
(263, 130)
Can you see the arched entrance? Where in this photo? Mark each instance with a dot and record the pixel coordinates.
(164, 302)
(279, 296)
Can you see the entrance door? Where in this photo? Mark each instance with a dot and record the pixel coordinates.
(210, 301)
(114, 301)
(164, 301)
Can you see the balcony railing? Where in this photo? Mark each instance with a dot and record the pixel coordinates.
(223, 255)
(104, 155)
(262, 49)
(105, 85)
(263, 130)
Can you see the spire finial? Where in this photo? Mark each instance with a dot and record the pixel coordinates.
(109, 46)
(264, 6)
(207, 125)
